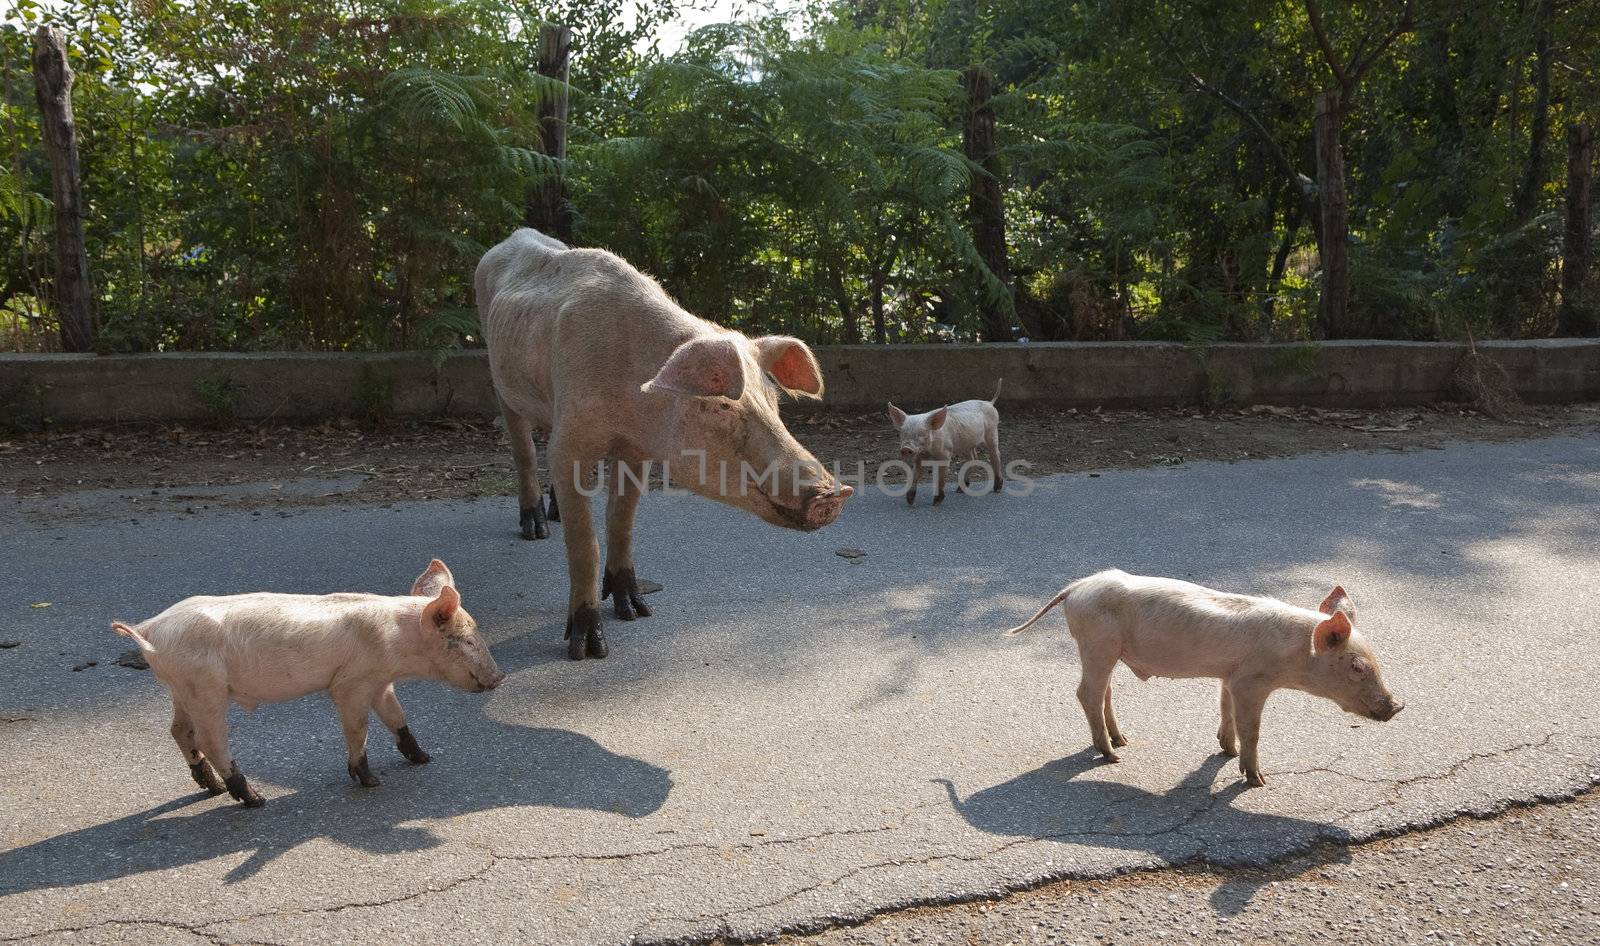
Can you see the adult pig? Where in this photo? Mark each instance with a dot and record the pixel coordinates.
(1162, 627)
(585, 346)
(267, 648)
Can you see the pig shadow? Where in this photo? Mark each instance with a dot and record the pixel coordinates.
(1187, 825)
(529, 767)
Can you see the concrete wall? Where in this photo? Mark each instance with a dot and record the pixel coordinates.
(87, 389)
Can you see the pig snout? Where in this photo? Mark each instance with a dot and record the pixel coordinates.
(907, 454)
(495, 679)
(823, 507)
(1388, 710)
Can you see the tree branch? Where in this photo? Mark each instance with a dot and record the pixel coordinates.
(1314, 13)
(1364, 62)
(1296, 178)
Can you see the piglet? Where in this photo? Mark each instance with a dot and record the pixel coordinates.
(1161, 627)
(269, 648)
(949, 436)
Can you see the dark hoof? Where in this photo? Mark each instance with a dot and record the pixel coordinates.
(362, 774)
(206, 777)
(554, 513)
(911, 497)
(584, 636)
(240, 789)
(409, 748)
(938, 497)
(533, 522)
(999, 487)
(623, 588)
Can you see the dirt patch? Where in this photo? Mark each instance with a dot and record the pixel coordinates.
(454, 460)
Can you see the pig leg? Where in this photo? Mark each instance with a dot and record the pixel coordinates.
(530, 498)
(353, 703)
(991, 442)
(939, 470)
(584, 634)
(388, 708)
(619, 583)
(1248, 702)
(1092, 689)
(1117, 739)
(1227, 737)
(199, 769)
(210, 717)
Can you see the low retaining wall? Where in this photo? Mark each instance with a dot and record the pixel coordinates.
(89, 389)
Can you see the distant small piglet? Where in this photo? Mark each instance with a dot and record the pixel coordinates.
(1161, 627)
(269, 648)
(949, 438)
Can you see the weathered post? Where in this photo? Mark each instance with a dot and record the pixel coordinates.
(548, 209)
(52, 81)
(1579, 314)
(987, 198)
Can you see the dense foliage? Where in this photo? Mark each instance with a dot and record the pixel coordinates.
(300, 174)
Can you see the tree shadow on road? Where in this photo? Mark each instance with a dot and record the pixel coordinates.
(1189, 824)
(529, 767)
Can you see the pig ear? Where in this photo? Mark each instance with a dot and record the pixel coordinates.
(430, 581)
(1333, 632)
(937, 420)
(1338, 600)
(791, 364)
(701, 367)
(897, 417)
(441, 609)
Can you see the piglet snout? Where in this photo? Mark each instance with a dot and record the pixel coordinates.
(907, 454)
(1389, 711)
(494, 681)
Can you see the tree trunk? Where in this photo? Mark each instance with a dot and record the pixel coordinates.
(1280, 262)
(1333, 309)
(880, 330)
(1527, 199)
(987, 200)
(1579, 315)
(848, 315)
(548, 208)
(52, 79)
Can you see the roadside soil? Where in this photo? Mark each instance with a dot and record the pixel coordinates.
(466, 459)
(1529, 876)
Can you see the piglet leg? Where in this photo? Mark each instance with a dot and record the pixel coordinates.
(388, 708)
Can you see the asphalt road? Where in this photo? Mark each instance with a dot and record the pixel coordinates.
(794, 739)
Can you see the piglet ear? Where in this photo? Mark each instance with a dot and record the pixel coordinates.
(938, 418)
(708, 366)
(791, 364)
(441, 609)
(1333, 632)
(436, 576)
(897, 417)
(1338, 600)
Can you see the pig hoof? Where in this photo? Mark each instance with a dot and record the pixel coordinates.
(241, 790)
(938, 497)
(623, 588)
(1228, 749)
(206, 777)
(554, 513)
(911, 497)
(409, 748)
(1255, 779)
(998, 488)
(597, 643)
(1118, 741)
(533, 523)
(361, 773)
(583, 626)
(1109, 757)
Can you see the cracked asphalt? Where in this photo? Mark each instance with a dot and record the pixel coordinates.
(795, 740)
